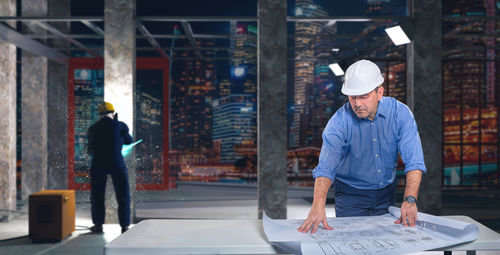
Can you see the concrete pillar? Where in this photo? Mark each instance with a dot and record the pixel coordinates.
(425, 55)
(8, 119)
(119, 78)
(33, 109)
(57, 103)
(271, 122)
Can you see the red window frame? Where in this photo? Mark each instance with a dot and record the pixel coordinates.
(141, 64)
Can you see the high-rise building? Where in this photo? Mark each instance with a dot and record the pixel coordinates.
(244, 59)
(393, 70)
(303, 68)
(394, 73)
(192, 93)
(234, 125)
(382, 8)
(313, 99)
(470, 108)
(235, 112)
(396, 80)
(323, 98)
(458, 37)
(224, 88)
(490, 51)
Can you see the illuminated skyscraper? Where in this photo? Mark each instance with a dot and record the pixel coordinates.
(396, 80)
(394, 70)
(234, 124)
(323, 98)
(458, 37)
(224, 88)
(469, 98)
(475, 78)
(235, 112)
(311, 101)
(244, 59)
(193, 91)
(379, 7)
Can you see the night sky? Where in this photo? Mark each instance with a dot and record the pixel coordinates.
(223, 7)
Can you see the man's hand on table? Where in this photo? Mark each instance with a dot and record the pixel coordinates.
(408, 214)
(316, 216)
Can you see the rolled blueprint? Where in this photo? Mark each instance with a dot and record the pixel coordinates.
(370, 235)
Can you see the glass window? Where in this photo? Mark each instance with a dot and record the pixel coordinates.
(470, 87)
(452, 173)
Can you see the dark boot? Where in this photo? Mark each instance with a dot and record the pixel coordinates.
(125, 228)
(96, 229)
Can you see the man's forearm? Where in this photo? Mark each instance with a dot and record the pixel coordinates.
(321, 187)
(413, 179)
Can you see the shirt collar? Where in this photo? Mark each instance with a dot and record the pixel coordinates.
(381, 108)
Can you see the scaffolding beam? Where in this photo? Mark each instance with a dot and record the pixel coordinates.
(189, 34)
(19, 40)
(144, 31)
(94, 27)
(56, 31)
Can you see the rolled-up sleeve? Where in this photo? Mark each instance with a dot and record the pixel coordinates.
(409, 144)
(332, 149)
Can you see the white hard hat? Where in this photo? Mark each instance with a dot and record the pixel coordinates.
(361, 78)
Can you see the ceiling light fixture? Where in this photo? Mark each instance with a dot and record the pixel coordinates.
(336, 69)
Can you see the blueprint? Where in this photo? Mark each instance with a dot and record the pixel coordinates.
(370, 235)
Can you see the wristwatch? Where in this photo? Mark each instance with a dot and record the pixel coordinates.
(410, 199)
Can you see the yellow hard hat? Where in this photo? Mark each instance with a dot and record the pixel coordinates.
(105, 107)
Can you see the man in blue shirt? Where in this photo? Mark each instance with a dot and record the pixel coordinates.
(361, 143)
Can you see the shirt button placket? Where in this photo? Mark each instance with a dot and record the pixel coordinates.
(375, 150)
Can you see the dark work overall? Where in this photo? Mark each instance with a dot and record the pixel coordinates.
(106, 138)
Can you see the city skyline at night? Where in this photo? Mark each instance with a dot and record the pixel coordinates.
(470, 105)
(200, 88)
(315, 92)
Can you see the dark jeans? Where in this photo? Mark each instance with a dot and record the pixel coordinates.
(350, 201)
(98, 191)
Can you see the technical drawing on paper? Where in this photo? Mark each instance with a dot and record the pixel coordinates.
(372, 235)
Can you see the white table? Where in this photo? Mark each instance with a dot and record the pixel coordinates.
(486, 240)
(192, 237)
(233, 237)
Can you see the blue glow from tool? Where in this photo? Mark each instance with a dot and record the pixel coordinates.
(126, 149)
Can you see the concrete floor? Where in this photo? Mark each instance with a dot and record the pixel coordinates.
(212, 202)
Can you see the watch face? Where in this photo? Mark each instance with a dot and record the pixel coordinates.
(410, 199)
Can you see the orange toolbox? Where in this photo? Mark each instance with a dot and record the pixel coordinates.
(51, 214)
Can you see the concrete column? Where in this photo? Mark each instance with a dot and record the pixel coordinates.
(119, 78)
(426, 57)
(57, 103)
(271, 122)
(8, 119)
(33, 109)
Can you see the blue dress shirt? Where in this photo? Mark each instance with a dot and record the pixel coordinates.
(364, 153)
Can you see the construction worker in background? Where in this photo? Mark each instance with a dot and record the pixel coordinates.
(105, 140)
(361, 143)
